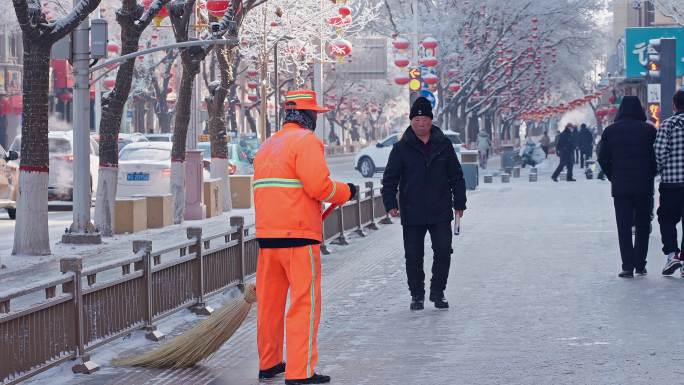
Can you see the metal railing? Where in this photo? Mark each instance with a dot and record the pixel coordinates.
(87, 307)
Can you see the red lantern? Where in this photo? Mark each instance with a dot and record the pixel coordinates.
(401, 43)
(430, 79)
(344, 10)
(429, 42)
(252, 73)
(109, 83)
(161, 15)
(429, 61)
(340, 21)
(401, 61)
(253, 98)
(402, 80)
(340, 48)
(452, 73)
(113, 48)
(454, 87)
(275, 24)
(613, 110)
(611, 99)
(252, 84)
(217, 8)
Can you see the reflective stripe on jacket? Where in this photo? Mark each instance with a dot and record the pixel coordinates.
(291, 180)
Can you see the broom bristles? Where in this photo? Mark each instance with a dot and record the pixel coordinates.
(200, 342)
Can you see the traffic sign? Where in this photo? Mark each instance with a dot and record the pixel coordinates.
(429, 96)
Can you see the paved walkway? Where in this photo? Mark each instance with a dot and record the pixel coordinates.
(534, 294)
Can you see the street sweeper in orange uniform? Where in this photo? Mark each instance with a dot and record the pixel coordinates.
(291, 182)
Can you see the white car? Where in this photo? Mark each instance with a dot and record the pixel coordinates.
(374, 159)
(61, 175)
(145, 169)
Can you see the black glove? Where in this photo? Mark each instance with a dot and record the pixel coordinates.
(352, 188)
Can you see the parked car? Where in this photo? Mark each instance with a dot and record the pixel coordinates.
(61, 152)
(373, 159)
(145, 169)
(159, 137)
(9, 178)
(239, 163)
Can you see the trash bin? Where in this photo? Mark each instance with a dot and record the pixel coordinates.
(469, 164)
(507, 156)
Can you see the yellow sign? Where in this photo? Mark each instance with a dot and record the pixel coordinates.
(203, 138)
(414, 85)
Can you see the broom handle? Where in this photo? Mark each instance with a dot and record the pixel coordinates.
(329, 210)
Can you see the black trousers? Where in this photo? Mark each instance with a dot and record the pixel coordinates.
(583, 158)
(670, 212)
(633, 211)
(578, 155)
(567, 162)
(414, 247)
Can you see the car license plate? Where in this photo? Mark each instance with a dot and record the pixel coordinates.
(138, 176)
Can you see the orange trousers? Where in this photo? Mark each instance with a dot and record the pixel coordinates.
(298, 270)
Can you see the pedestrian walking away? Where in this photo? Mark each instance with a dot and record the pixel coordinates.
(291, 180)
(565, 148)
(669, 151)
(545, 143)
(484, 143)
(628, 160)
(586, 144)
(424, 170)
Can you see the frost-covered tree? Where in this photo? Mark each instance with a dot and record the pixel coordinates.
(671, 8)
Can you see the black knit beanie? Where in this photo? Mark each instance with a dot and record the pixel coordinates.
(421, 107)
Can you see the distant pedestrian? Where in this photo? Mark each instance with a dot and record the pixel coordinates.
(669, 150)
(424, 170)
(527, 152)
(576, 142)
(628, 159)
(565, 148)
(545, 142)
(484, 144)
(586, 144)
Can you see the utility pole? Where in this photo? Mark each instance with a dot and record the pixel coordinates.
(82, 230)
(98, 92)
(321, 129)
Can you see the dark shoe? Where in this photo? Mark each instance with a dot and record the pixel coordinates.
(572, 180)
(626, 274)
(439, 300)
(272, 372)
(641, 272)
(417, 303)
(315, 379)
(554, 178)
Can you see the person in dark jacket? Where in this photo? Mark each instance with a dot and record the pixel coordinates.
(628, 159)
(424, 170)
(586, 144)
(565, 148)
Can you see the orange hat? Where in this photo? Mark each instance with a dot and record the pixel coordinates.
(303, 100)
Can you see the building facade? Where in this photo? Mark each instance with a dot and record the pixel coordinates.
(11, 70)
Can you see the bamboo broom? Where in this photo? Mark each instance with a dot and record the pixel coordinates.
(203, 340)
(200, 342)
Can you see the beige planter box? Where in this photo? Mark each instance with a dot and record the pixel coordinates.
(212, 197)
(241, 191)
(131, 215)
(159, 211)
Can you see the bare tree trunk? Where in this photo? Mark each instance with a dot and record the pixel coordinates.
(31, 235)
(161, 108)
(133, 21)
(217, 124)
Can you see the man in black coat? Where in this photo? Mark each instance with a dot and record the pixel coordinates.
(424, 169)
(565, 148)
(586, 144)
(628, 159)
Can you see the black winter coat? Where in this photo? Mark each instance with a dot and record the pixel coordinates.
(586, 141)
(626, 154)
(565, 147)
(430, 187)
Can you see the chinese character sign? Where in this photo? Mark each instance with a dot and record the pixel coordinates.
(636, 48)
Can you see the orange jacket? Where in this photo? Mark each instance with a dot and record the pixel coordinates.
(291, 179)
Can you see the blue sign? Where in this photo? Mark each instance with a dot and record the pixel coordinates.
(429, 96)
(636, 48)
